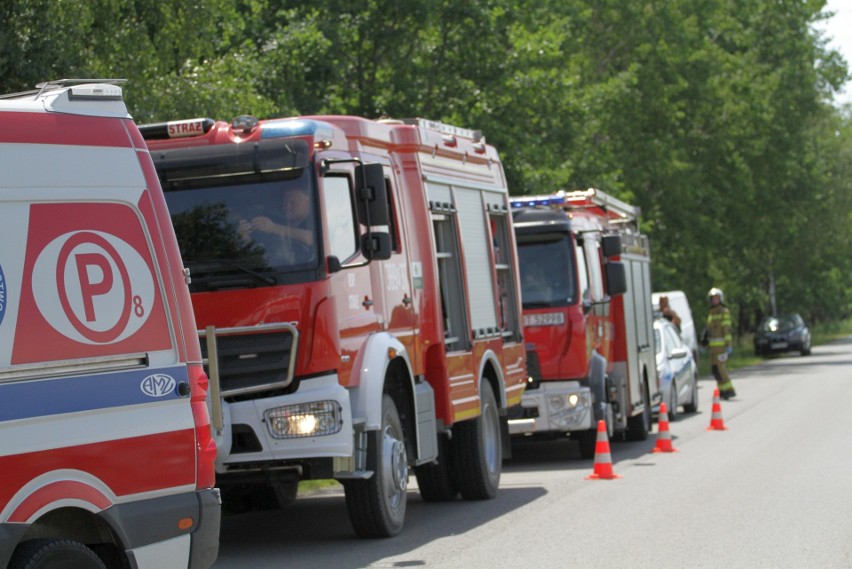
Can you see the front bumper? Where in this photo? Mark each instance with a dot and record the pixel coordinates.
(560, 406)
(251, 434)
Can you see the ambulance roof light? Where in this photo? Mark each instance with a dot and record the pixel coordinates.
(87, 89)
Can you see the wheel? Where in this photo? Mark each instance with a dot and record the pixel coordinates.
(477, 453)
(639, 426)
(376, 505)
(806, 348)
(588, 441)
(54, 554)
(672, 404)
(436, 480)
(692, 406)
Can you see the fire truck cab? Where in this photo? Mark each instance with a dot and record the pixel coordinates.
(355, 283)
(106, 455)
(588, 326)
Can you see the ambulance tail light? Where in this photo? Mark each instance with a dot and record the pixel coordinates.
(205, 446)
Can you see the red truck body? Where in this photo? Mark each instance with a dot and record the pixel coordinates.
(585, 272)
(369, 351)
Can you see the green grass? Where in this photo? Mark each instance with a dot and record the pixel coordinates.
(744, 346)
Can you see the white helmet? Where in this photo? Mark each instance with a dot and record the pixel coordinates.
(716, 292)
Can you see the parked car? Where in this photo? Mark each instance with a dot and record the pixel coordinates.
(676, 368)
(680, 304)
(785, 333)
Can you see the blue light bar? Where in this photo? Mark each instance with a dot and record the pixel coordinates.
(537, 201)
(296, 127)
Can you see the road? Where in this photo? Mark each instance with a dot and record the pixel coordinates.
(774, 491)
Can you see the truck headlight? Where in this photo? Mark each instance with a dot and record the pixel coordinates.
(315, 419)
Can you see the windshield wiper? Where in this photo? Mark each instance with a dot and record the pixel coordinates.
(259, 276)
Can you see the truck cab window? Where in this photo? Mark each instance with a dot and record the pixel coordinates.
(337, 200)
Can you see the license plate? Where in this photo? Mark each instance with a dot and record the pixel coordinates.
(779, 345)
(547, 319)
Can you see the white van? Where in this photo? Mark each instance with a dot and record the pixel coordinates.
(106, 455)
(680, 304)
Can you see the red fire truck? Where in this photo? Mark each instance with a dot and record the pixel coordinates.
(588, 323)
(357, 289)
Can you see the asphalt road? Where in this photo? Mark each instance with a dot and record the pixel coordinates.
(773, 491)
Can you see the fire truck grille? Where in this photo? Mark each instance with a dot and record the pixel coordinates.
(253, 362)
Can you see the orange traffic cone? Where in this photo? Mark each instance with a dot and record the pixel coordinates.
(664, 437)
(603, 460)
(716, 422)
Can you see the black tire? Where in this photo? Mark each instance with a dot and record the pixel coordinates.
(435, 480)
(54, 554)
(672, 404)
(376, 505)
(692, 406)
(806, 348)
(477, 453)
(588, 441)
(639, 426)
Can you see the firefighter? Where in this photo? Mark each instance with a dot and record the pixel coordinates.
(718, 339)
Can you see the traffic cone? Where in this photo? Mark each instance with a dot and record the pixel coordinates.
(664, 437)
(603, 460)
(716, 422)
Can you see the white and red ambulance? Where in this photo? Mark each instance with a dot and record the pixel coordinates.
(106, 456)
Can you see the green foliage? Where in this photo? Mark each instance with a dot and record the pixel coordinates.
(713, 117)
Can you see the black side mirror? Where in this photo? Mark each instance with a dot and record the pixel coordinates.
(611, 245)
(616, 277)
(370, 195)
(376, 246)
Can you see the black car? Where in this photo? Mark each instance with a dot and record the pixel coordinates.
(785, 333)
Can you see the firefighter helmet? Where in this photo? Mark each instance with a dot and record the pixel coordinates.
(716, 292)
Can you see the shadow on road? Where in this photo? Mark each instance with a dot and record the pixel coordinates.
(315, 531)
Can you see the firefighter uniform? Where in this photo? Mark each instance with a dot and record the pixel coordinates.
(719, 342)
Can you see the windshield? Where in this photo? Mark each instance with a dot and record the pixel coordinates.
(547, 273)
(780, 324)
(244, 235)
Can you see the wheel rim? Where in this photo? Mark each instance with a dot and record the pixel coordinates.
(491, 437)
(394, 467)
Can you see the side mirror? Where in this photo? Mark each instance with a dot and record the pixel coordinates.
(616, 277)
(611, 245)
(678, 353)
(370, 195)
(376, 246)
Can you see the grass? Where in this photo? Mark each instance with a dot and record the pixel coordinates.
(744, 346)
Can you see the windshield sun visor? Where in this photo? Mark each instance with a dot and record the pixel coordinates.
(228, 160)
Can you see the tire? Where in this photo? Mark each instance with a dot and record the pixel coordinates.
(588, 441)
(639, 426)
(54, 554)
(477, 453)
(672, 404)
(376, 505)
(435, 480)
(806, 348)
(692, 406)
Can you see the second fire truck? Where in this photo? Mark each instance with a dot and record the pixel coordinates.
(588, 322)
(357, 289)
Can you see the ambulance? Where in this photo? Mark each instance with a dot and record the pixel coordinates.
(106, 455)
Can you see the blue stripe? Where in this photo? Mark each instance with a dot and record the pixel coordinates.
(43, 397)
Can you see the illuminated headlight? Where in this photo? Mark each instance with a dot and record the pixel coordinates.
(314, 419)
(574, 409)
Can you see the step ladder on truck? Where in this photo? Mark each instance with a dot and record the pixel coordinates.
(588, 323)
